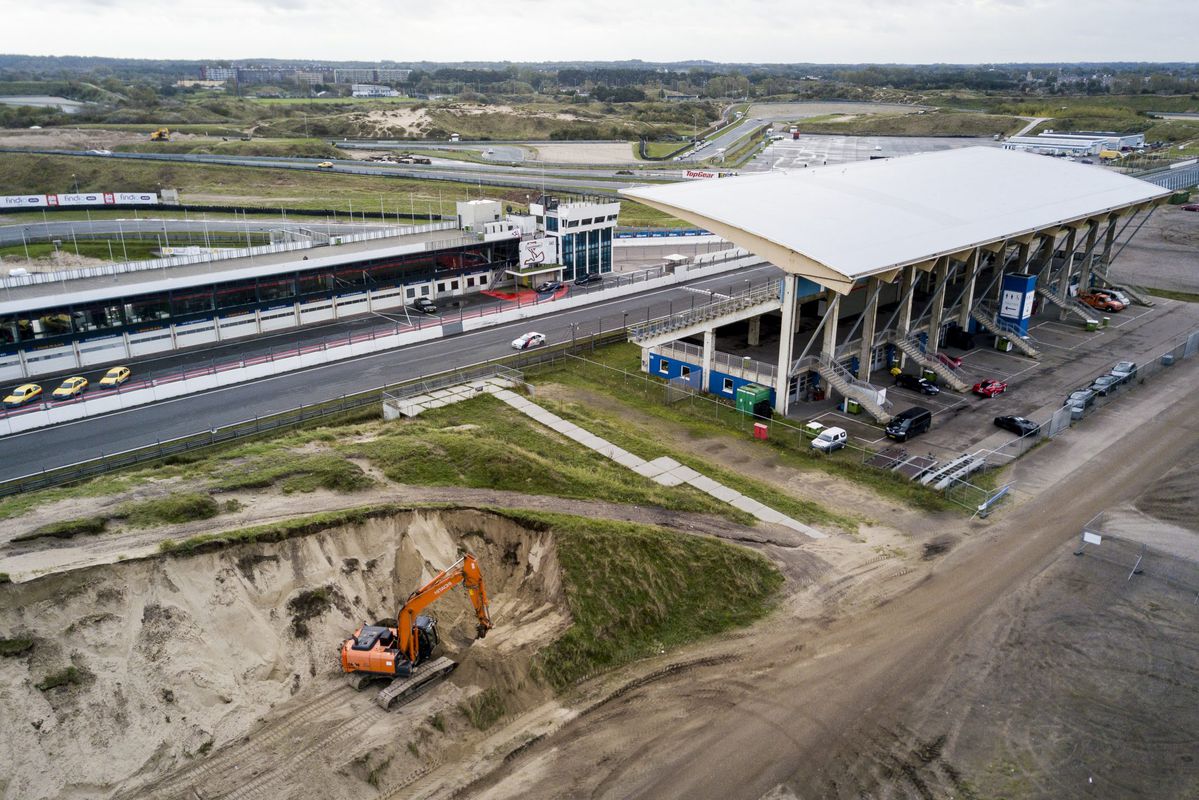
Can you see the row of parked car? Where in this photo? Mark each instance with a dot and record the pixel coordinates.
(1080, 400)
(69, 389)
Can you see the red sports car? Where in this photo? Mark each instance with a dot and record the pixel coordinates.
(989, 388)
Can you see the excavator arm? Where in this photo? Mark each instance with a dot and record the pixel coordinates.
(465, 571)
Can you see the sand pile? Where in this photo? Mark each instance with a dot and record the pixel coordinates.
(168, 660)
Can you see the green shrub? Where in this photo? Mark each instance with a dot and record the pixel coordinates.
(484, 709)
(67, 677)
(15, 647)
(67, 528)
(172, 509)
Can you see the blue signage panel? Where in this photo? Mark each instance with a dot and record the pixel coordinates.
(1016, 300)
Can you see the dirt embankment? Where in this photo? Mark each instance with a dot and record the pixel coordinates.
(219, 670)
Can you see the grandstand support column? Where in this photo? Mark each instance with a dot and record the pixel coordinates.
(755, 331)
(905, 308)
(1084, 276)
(1109, 242)
(709, 352)
(937, 311)
(786, 345)
(1044, 256)
(968, 291)
(832, 311)
(1063, 278)
(869, 322)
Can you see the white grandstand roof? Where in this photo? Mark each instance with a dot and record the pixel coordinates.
(837, 224)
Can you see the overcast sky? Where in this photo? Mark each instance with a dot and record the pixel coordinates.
(840, 31)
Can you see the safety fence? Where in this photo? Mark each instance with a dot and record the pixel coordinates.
(291, 418)
(1090, 401)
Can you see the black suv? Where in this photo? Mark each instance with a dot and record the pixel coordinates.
(916, 384)
(424, 305)
(588, 278)
(549, 286)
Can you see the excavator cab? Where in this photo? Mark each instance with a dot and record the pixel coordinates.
(426, 634)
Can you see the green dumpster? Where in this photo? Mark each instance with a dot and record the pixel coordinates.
(751, 396)
(1003, 345)
(1092, 324)
(852, 406)
(929, 375)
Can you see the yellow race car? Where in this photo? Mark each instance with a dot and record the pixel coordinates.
(114, 377)
(71, 387)
(23, 394)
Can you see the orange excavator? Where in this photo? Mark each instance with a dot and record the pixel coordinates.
(402, 653)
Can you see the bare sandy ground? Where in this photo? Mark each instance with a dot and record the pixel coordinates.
(1164, 254)
(73, 138)
(584, 153)
(820, 108)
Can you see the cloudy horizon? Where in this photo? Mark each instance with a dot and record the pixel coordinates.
(763, 31)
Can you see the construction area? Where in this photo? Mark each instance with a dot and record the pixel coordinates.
(600, 575)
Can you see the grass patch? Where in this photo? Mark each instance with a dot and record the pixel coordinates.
(172, 509)
(658, 149)
(930, 123)
(303, 474)
(484, 443)
(66, 529)
(1170, 294)
(437, 722)
(70, 676)
(4, 578)
(635, 590)
(17, 646)
(636, 215)
(22, 173)
(132, 250)
(709, 419)
(631, 436)
(484, 709)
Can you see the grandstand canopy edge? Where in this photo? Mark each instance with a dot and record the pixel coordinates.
(836, 225)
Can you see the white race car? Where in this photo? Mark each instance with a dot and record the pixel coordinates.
(528, 341)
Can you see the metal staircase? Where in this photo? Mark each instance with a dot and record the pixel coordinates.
(844, 382)
(914, 349)
(756, 301)
(1068, 304)
(985, 316)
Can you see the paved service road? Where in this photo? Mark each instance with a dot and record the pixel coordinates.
(89, 438)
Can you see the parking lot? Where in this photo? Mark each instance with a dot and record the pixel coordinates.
(813, 151)
(1071, 358)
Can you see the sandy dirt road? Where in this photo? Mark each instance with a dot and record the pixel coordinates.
(812, 710)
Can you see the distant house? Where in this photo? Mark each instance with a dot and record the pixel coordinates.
(373, 90)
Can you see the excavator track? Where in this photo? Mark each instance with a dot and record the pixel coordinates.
(402, 690)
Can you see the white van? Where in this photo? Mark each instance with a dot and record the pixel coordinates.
(830, 440)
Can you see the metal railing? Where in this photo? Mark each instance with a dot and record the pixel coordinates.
(742, 366)
(14, 281)
(453, 378)
(718, 306)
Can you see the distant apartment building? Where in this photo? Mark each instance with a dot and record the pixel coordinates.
(360, 75)
(372, 90)
(218, 73)
(308, 78)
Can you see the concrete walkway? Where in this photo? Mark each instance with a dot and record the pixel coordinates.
(664, 470)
